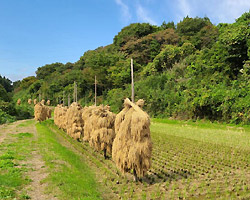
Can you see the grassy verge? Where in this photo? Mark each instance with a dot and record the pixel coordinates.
(26, 123)
(69, 175)
(12, 174)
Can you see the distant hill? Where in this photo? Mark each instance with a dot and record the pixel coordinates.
(190, 70)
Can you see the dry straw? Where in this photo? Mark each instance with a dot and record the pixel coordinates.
(48, 103)
(19, 102)
(56, 115)
(41, 112)
(29, 101)
(103, 132)
(35, 102)
(132, 146)
(74, 121)
(43, 102)
(61, 117)
(49, 111)
(87, 113)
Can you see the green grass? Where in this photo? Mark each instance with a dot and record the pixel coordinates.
(221, 134)
(68, 173)
(12, 177)
(26, 123)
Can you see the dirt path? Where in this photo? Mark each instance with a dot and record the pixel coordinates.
(38, 170)
(6, 129)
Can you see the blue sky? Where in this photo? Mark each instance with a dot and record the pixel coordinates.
(38, 32)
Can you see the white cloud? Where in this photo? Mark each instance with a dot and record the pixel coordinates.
(229, 10)
(126, 16)
(218, 11)
(184, 6)
(142, 15)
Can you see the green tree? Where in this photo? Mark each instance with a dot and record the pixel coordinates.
(165, 59)
(133, 32)
(3, 94)
(27, 82)
(6, 83)
(46, 70)
(165, 25)
(145, 49)
(199, 31)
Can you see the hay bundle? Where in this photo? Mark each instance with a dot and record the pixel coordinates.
(43, 102)
(29, 101)
(19, 102)
(48, 102)
(60, 115)
(49, 111)
(56, 115)
(63, 119)
(103, 131)
(40, 112)
(88, 122)
(35, 101)
(74, 121)
(132, 146)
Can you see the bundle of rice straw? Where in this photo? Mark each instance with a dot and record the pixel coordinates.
(132, 145)
(48, 103)
(49, 111)
(35, 102)
(60, 116)
(29, 101)
(43, 102)
(56, 115)
(19, 102)
(40, 112)
(88, 122)
(103, 131)
(74, 121)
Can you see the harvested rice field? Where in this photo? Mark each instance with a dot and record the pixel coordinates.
(190, 160)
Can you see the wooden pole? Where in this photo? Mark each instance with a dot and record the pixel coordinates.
(76, 91)
(95, 90)
(132, 82)
(63, 98)
(68, 100)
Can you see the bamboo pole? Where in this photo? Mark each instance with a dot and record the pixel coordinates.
(132, 82)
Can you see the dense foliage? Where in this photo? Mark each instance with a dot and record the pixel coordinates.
(9, 111)
(189, 70)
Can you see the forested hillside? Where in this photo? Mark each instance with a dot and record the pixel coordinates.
(189, 70)
(9, 111)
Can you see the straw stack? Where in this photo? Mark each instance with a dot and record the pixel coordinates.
(132, 145)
